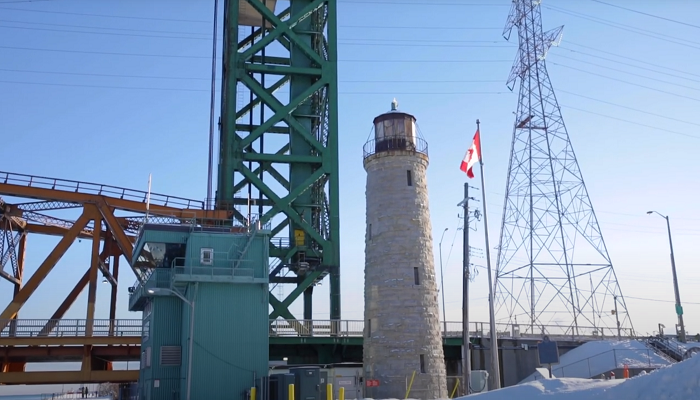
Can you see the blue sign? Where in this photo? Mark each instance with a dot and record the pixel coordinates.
(548, 352)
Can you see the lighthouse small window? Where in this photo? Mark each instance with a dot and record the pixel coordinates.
(422, 364)
(369, 232)
(369, 327)
(409, 180)
(416, 276)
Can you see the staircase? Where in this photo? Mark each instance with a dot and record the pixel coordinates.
(666, 348)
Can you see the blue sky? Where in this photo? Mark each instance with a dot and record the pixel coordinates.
(625, 81)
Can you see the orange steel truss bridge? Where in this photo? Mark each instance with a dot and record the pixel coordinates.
(110, 217)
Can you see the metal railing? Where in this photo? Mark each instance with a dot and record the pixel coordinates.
(71, 327)
(307, 328)
(560, 331)
(610, 360)
(98, 189)
(214, 272)
(278, 327)
(395, 143)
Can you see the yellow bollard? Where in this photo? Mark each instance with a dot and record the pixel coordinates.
(408, 391)
(329, 391)
(253, 391)
(291, 391)
(341, 393)
(452, 395)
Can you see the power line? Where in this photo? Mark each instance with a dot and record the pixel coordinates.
(629, 83)
(102, 27)
(624, 27)
(412, 3)
(632, 65)
(203, 90)
(209, 57)
(357, 93)
(647, 14)
(631, 122)
(630, 108)
(626, 58)
(637, 75)
(107, 16)
(104, 75)
(658, 300)
(419, 27)
(103, 33)
(103, 52)
(427, 45)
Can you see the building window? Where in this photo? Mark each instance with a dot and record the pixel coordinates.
(369, 232)
(206, 256)
(422, 364)
(369, 327)
(409, 180)
(416, 276)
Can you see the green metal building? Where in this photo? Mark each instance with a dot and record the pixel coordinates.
(219, 275)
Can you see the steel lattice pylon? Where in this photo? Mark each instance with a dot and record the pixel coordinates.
(547, 212)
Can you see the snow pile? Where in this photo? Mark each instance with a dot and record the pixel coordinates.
(680, 381)
(597, 357)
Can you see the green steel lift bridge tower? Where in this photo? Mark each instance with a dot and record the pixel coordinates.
(278, 159)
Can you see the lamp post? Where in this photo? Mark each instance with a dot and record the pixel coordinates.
(679, 308)
(190, 344)
(442, 285)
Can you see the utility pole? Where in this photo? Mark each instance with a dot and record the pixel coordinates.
(617, 319)
(679, 308)
(466, 351)
(442, 287)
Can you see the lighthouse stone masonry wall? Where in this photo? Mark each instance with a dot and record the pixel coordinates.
(401, 317)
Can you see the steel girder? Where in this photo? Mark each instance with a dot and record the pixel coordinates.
(111, 241)
(281, 152)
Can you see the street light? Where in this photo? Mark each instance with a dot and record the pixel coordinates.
(442, 284)
(679, 308)
(157, 291)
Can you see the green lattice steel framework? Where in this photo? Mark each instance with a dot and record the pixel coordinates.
(306, 199)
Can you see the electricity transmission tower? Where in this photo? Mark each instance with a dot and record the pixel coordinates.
(547, 213)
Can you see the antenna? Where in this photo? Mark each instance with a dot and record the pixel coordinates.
(148, 197)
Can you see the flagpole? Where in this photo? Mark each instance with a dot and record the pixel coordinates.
(495, 365)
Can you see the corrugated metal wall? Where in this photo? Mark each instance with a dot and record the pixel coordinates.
(230, 341)
(165, 328)
(227, 249)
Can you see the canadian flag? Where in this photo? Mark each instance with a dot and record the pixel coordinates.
(472, 157)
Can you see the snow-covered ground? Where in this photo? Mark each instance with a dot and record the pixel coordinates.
(597, 357)
(679, 381)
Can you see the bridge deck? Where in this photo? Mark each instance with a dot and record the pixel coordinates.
(37, 341)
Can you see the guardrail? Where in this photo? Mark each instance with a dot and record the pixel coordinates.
(395, 143)
(278, 327)
(601, 363)
(71, 327)
(98, 189)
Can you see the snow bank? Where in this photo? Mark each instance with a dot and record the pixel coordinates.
(596, 357)
(680, 381)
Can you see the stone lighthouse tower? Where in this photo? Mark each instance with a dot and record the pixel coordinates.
(402, 326)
